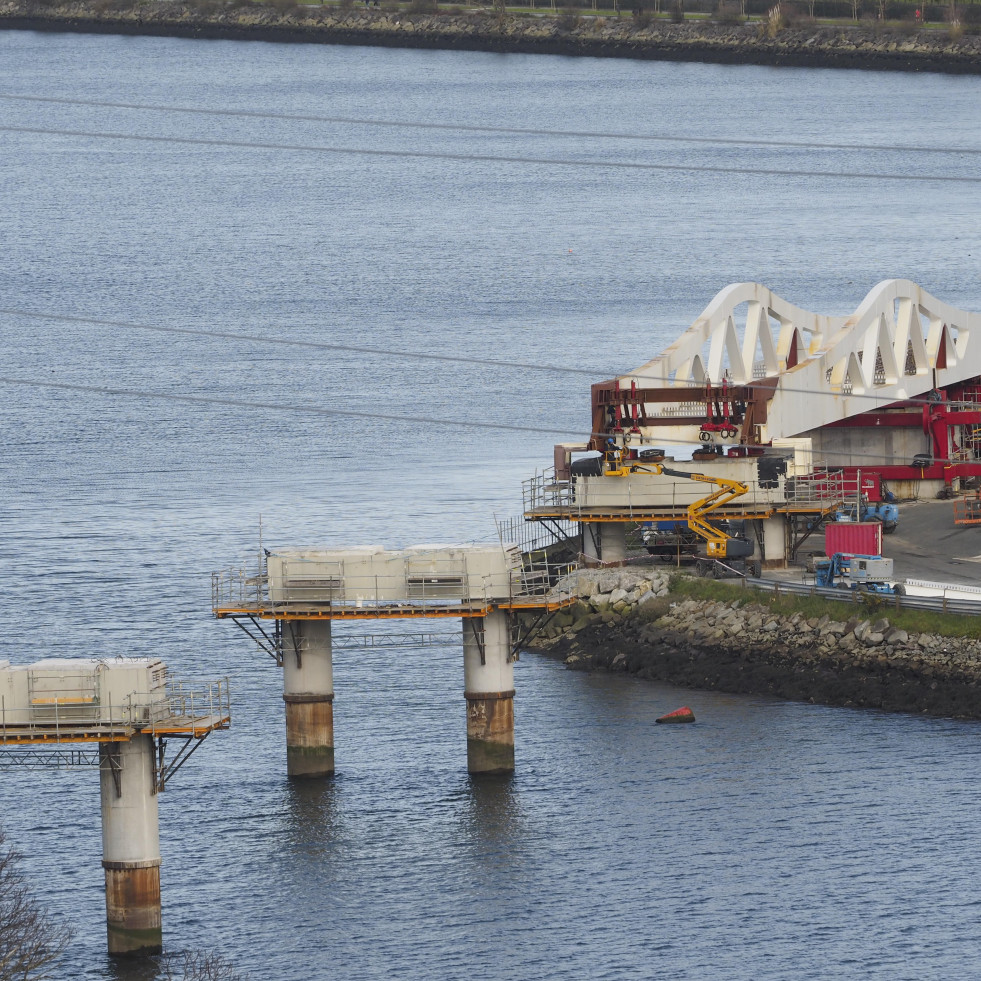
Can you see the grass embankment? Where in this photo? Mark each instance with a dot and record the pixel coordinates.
(868, 605)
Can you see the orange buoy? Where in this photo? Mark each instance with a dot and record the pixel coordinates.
(678, 715)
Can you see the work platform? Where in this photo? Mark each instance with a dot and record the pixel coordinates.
(123, 711)
(781, 490)
(370, 583)
(303, 590)
(94, 701)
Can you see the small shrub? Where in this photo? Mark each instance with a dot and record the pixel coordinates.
(774, 21)
(598, 23)
(568, 20)
(956, 30)
(642, 17)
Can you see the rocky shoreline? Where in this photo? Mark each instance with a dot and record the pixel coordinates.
(903, 48)
(626, 621)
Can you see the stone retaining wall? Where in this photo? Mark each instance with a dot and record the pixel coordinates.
(626, 622)
(482, 29)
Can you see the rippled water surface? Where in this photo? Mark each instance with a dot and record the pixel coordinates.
(770, 840)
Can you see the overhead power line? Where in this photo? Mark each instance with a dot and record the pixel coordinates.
(499, 130)
(277, 407)
(293, 409)
(494, 158)
(279, 341)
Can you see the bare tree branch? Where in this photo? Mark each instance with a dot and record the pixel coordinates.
(197, 966)
(30, 942)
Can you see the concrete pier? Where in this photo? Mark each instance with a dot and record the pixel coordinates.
(131, 847)
(308, 691)
(775, 542)
(604, 542)
(489, 689)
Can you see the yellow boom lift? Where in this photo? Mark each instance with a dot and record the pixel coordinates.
(718, 545)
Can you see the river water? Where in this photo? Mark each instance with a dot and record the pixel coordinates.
(770, 840)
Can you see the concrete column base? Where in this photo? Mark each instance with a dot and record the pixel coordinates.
(773, 564)
(309, 735)
(490, 732)
(133, 920)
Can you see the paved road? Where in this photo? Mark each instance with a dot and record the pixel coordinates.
(926, 545)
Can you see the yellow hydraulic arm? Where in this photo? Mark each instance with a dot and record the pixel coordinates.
(726, 490)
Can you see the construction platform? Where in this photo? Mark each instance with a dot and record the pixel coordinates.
(104, 701)
(371, 583)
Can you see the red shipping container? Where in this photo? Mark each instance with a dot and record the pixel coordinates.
(853, 537)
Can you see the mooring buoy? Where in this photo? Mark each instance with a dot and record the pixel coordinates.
(683, 714)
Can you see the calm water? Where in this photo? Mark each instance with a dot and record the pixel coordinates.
(771, 840)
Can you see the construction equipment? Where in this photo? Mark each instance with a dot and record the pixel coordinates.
(866, 573)
(886, 514)
(719, 544)
(718, 415)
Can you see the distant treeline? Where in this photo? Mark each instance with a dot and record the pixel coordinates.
(966, 13)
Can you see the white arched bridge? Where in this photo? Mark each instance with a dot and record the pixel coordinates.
(898, 379)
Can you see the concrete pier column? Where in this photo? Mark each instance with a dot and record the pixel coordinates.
(131, 847)
(308, 691)
(488, 681)
(590, 542)
(775, 542)
(604, 542)
(613, 542)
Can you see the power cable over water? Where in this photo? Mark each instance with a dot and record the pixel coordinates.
(499, 130)
(320, 410)
(279, 341)
(495, 158)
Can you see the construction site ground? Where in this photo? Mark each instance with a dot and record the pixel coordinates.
(925, 545)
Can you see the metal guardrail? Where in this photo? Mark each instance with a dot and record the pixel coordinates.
(855, 597)
(545, 490)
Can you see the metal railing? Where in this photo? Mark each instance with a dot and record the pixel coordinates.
(171, 707)
(449, 586)
(857, 597)
(202, 700)
(545, 490)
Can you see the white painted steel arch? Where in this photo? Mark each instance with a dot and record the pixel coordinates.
(900, 343)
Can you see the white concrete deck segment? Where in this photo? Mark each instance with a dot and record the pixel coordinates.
(112, 700)
(361, 582)
(900, 343)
